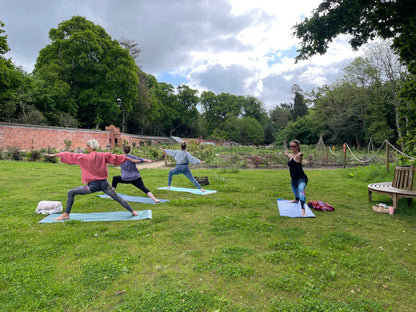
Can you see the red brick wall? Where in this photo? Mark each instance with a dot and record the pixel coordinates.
(27, 137)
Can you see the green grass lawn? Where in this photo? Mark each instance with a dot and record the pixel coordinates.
(229, 251)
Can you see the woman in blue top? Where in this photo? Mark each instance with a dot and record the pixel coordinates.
(131, 175)
(183, 158)
(298, 176)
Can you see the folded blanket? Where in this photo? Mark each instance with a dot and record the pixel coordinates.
(49, 207)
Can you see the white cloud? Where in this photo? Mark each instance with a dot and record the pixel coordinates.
(242, 47)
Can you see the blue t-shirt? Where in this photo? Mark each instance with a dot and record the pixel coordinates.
(182, 157)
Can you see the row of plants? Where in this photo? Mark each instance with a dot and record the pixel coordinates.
(228, 156)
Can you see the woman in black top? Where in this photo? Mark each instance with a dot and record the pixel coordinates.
(298, 176)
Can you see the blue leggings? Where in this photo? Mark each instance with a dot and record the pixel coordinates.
(298, 188)
(183, 169)
(92, 187)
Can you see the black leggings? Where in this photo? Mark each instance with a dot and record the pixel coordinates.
(137, 183)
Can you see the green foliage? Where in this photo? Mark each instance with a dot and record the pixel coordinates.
(16, 155)
(246, 130)
(408, 94)
(84, 78)
(229, 251)
(4, 47)
(299, 106)
(364, 21)
(371, 173)
(306, 129)
(84, 72)
(34, 155)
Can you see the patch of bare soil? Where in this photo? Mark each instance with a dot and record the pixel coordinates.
(153, 165)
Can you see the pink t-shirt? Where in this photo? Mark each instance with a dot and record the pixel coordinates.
(93, 165)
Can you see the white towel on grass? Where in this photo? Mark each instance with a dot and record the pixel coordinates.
(49, 207)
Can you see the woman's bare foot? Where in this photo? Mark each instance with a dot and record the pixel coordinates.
(303, 213)
(202, 190)
(134, 213)
(294, 201)
(64, 216)
(153, 197)
(168, 187)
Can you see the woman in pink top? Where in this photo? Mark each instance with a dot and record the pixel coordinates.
(94, 173)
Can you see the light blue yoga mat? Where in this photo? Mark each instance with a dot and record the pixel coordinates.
(100, 216)
(188, 190)
(288, 209)
(136, 199)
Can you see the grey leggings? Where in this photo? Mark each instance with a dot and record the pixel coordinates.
(92, 187)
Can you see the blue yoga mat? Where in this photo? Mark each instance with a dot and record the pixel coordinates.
(136, 199)
(188, 190)
(288, 209)
(100, 216)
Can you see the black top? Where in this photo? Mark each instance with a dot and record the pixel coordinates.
(295, 169)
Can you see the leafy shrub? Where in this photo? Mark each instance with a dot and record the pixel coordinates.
(372, 173)
(49, 150)
(34, 156)
(16, 155)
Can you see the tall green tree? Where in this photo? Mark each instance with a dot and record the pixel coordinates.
(280, 116)
(16, 90)
(4, 46)
(217, 109)
(253, 108)
(10, 79)
(339, 109)
(307, 129)
(366, 20)
(391, 76)
(99, 75)
(139, 120)
(188, 100)
(299, 106)
(244, 130)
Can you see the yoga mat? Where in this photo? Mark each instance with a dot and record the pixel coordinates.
(188, 190)
(137, 199)
(288, 209)
(100, 216)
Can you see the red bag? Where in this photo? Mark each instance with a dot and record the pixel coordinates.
(320, 205)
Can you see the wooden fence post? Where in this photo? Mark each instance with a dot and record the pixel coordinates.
(345, 155)
(387, 156)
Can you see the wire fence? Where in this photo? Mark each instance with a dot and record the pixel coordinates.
(386, 154)
(318, 155)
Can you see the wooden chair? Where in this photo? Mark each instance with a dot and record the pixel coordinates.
(403, 186)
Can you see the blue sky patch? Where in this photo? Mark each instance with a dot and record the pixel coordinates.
(172, 78)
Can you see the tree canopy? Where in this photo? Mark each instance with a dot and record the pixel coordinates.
(97, 77)
(363, 20)
(84, 78)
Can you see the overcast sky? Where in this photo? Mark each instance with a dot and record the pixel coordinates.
(242, 47)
